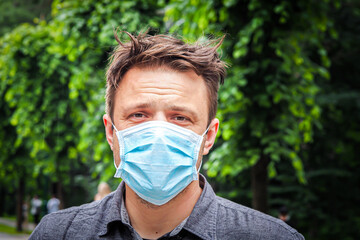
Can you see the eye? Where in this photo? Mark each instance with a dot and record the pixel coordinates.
(181, 118)
(137, 115)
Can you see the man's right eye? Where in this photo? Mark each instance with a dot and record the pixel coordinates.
(138, 115)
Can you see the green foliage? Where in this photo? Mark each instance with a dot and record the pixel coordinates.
(15, 12)
(52, 88)
(267, 105)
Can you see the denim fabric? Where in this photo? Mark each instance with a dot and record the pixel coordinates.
(212, 218)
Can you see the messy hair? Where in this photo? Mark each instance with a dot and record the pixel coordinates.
(166, 51)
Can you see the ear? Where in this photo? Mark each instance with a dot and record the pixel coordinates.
(211, 135)
(109, 130)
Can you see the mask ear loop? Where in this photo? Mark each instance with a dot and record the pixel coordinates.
(117, 167)
(206, 131)
(202, 136)
(114, 127)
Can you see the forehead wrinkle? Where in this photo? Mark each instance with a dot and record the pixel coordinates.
(160, 90)
(163, 84)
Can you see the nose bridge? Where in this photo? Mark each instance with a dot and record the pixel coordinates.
(160, 116)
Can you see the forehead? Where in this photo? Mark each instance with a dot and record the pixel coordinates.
(162, 85)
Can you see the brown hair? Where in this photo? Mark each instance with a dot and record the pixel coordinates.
(163, 50)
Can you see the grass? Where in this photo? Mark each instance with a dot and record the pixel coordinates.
(11, 230)
(9, 217)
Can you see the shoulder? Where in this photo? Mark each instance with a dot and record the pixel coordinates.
(55, 225)
(237, 221)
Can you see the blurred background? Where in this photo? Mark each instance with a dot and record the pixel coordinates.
(289, 110)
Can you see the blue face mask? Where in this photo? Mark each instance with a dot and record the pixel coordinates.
(158, 159)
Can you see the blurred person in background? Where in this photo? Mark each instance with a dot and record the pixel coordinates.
(53, 204)
(285, 216)
(25, 215)
(103, 191)
(36, 208)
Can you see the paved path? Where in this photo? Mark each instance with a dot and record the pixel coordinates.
(5, 236)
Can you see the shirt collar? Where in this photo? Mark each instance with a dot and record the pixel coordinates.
(203, 214)
(112, 207)
(202, 220)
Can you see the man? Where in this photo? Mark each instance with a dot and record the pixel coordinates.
(161, 102)
(285, 216)
(53, 204)
(36, 208)
(103, 191)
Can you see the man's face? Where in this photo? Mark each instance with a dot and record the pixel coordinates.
(162, 94)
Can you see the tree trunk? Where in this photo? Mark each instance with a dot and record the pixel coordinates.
(259, 182)
(2, 200)
(19, 203)
(58, 191)
(60, 194)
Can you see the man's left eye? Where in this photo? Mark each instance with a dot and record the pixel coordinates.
(138, 115)
(180, 118)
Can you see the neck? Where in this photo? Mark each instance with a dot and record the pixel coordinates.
(152, 221)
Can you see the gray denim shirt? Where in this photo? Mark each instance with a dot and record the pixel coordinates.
(213, 217)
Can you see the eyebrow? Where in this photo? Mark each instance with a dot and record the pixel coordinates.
(140, 105)
(178, 108)
(171, 107)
